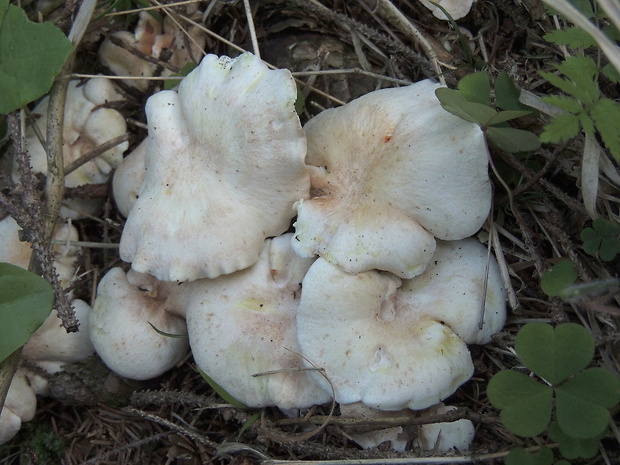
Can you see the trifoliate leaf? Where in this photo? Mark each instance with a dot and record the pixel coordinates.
(606, 114)
(571, 447)
(554, 354)
(507, 94)
(606, 228)
(525, 404)
(558, 277)
(31, 55)
(513, 140)
(564, 102)
(520, 456)
(610, 247)
(583, 403)
(25, 302)
(453, 102)
(602, 240)
(476, 87)
(574, 37)
(561, 128)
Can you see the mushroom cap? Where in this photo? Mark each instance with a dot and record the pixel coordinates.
(244, 323)
(18, 253)
(10, 424)
(51, 342)
(374, 349)
(446, 436)
(20, 406)
(457, 9)
(451, 290)
(120, 331)
(393, 344)
(390, 171)
(224, 165)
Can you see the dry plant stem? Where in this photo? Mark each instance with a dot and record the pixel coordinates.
(473, 458)
(133, 445)
(321, 11)
(607, 46)
(387, 10)
(172, 426)
(55, 184)
(250, 19)
(396, 420)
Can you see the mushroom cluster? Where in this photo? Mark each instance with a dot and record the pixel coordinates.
(50, 346)
(375, 295)
(88, 123)
(136, 55)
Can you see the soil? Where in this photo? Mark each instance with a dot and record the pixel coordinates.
(95, 417)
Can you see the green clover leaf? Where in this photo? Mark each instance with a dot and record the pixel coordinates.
(554, 354)
(583, 402)
(520, 456)
(525, 404)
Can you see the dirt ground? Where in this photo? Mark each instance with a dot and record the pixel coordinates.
(95, 417)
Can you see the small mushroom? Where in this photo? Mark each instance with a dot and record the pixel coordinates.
(391, 171)
(51, 347)
(18, 253)
(224, 165)
(457, 9)
(19, 407)
(243, 324)
(137, 324)
(445, 436)
(149, 38)
(87, 124)
(391, 344)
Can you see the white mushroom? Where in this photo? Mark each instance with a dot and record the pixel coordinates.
(446, 436)
(86, 125)
(391, 171)
(129, 311)
(19, 407)
(244, 324)
(224, 163)
(457, 9)
(51, 347)
(387, 346)
(18, 253)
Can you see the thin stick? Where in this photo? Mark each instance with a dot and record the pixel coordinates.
(248, 14)
(94, 153)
